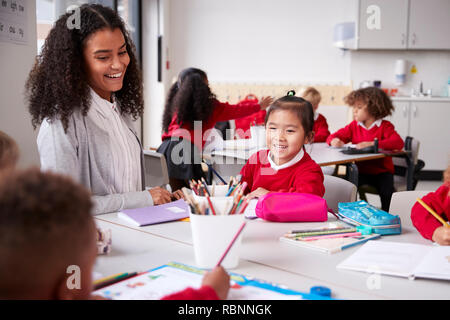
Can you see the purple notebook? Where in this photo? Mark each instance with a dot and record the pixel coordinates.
(171, 211)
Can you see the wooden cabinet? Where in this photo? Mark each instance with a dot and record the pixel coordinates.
(429, 24)
(403, 24)
(427, 121)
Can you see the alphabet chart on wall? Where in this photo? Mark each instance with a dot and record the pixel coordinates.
(13, 21)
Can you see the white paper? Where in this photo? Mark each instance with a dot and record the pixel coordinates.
(250, 212)
(436, 264)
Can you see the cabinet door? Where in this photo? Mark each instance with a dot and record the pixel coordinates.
(382, 24)
(429, 24)
(400, 118)
(430, 125)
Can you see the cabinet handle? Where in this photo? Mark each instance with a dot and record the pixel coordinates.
(403, 38)
(404, 111)
(414, 111)
(414, 38)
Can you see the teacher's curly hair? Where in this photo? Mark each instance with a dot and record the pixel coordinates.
(57, 84)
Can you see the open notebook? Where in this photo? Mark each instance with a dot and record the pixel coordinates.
(174, 277)
(401, 259)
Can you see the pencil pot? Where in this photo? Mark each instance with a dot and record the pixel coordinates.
(211, 235)
(219, 191)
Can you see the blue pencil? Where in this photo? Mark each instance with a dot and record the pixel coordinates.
(215, 172)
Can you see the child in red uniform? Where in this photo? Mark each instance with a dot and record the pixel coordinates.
(190, 100)
(320, 127)
(370, 106)
(428, 225)
(42, 233)
(285, 166)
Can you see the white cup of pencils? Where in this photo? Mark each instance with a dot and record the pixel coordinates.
(214, 222)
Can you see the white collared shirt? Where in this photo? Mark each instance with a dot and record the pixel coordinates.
(316, 116)
(376, 123)
(294, 160)
(125, 166)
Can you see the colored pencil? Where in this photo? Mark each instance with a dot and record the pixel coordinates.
(433, 213)
(211, 205)
(331, 236)
(231, 243)
(114, 280)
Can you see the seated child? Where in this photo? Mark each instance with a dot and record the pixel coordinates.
(320, 127)
(42, 233)
(9, 152)
(285, 166)
(370, 106)
(428, 226)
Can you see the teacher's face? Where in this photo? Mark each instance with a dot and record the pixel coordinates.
(106, 60)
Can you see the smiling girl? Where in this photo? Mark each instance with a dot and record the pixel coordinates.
(285, 166)
(84, 91)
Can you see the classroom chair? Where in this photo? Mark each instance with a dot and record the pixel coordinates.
(406, 170)
(338, 190)
(402, 203)
(155, 168)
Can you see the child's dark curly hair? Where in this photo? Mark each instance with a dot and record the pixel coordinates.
(379, 105)
(45, 226)
(190, 97)
(57, 84)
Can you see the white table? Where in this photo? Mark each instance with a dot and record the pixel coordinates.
(265, 257)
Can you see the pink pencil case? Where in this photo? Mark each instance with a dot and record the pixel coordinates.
(292, 207)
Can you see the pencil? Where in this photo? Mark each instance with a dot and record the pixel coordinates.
(445, 224)
(119, 278)
(211, 205)
(231, 243)
(206, 186)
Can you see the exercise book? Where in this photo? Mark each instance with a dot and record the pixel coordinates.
(171, 211)
(401, 259)
(174, 277)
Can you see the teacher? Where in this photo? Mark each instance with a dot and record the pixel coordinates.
(84, 91)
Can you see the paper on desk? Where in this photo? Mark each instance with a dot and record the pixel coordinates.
(250, 212)
(436, 264)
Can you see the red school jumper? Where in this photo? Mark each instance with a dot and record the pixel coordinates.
(320, 129)
(222, 112)
(305, 176)
(203, 293)
(388, 139)
(426, 223)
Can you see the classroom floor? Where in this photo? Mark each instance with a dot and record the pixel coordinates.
(374, 199)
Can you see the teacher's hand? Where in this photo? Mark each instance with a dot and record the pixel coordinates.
(265, 102)
(177, 195)
(160, 195)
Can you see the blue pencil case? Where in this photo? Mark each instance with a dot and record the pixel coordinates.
(360, 213)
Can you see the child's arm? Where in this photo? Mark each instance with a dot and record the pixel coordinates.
(215, 286)
(340, 137)
(390, 139)
(426, 223)
(226, 111)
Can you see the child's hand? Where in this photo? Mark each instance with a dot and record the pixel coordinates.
(442, 236)
(364, 144)
(257, 193)
(219, 280)
(265, 102)
(160, 195)
(336, 142)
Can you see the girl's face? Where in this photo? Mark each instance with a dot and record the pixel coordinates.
(285, 135)
(360, 112)
(106, 60)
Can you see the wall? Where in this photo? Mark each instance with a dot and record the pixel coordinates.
(433, 69)
(15, 64)
(260, 40)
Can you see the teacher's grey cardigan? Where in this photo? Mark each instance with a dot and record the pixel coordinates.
(82, 153)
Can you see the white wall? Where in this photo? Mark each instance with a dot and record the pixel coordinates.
(15, 64)
(259, 40)
(433, 69)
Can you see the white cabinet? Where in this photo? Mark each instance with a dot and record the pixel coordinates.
(428, 122)
(383, 24)
(403, 24)
(429, 24)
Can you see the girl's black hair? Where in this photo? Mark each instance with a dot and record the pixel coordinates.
(57, 84)
(190, 98)
(300, 107)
